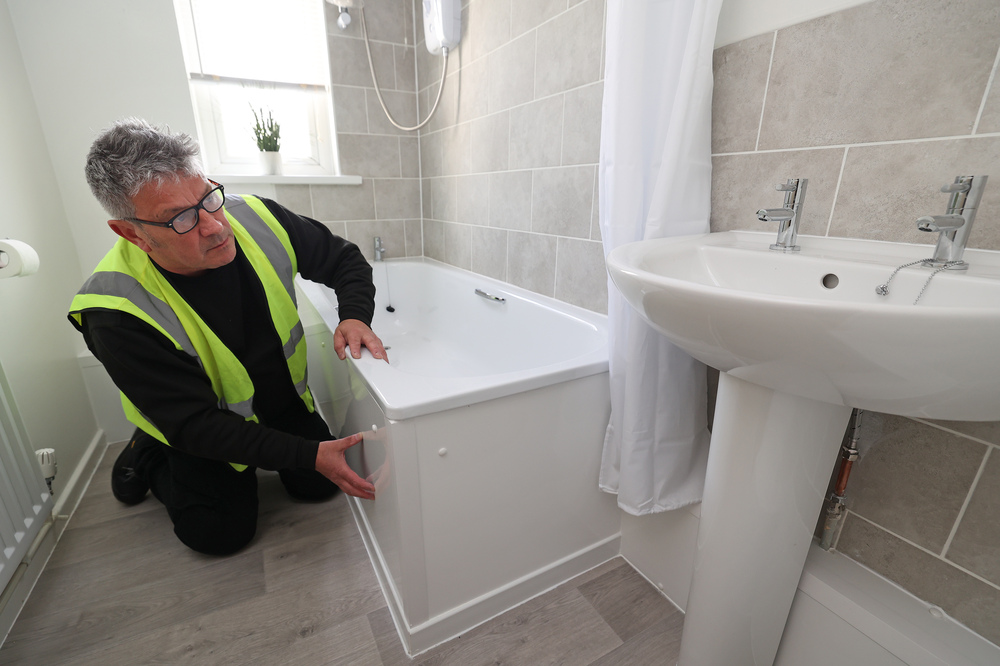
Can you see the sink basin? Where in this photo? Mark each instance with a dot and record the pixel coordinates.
(801, 339)
(810, 323)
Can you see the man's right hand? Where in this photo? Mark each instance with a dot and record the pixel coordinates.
(331, 463)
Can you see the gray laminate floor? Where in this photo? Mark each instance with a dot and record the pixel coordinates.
(120, 589)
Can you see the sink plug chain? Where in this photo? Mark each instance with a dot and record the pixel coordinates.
(883, 289)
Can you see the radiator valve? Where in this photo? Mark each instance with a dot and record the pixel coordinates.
(47, 461)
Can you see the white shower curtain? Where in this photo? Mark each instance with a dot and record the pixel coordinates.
(655, 181)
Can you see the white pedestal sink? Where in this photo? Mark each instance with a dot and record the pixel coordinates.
(801, 339)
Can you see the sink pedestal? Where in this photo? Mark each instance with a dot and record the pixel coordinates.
(771, 459)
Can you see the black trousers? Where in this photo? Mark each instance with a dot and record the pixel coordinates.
(214, 507)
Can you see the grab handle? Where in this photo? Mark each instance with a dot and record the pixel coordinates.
(491, 297)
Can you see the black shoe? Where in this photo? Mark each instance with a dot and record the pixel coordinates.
(127, 486)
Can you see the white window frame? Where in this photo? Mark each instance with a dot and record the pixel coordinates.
(206, 96)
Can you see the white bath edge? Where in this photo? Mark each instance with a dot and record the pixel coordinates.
(440, 629)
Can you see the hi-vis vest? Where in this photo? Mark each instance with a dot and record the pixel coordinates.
(126, 280)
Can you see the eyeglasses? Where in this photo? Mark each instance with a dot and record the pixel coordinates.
(187, 219)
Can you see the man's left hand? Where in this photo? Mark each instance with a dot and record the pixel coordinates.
(355, 334)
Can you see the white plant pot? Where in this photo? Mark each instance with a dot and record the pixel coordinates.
(271, 161)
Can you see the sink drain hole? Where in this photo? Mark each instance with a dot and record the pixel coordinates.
(830, 281)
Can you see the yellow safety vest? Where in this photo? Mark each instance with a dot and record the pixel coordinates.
(126, 280)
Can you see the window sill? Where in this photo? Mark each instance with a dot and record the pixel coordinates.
(288, 180)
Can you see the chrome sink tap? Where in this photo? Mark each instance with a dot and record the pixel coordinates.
(788, 216)
(955, 225)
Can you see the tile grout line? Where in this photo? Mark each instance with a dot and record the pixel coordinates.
(986, 93)
(923, 550)
(953, 432)
(862, 144)
(767, 83)
(836, 190)
(965, 504)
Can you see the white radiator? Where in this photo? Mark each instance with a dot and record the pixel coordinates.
(25, 502)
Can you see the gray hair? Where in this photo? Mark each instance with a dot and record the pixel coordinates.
(132, 154)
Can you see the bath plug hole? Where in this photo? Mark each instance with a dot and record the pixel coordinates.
(830, 281)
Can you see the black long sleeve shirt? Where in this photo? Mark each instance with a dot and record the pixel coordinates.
(172, 391)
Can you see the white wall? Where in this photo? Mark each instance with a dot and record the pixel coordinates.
(740, 19)
(89, 64)
(36, 340)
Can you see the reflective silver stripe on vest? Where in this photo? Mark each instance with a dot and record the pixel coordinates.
(244, 409)
(275, 253)
(266, 239)
(120, 285)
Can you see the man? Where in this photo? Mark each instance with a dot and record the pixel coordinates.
(193, 315)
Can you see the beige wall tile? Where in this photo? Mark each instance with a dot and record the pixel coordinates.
(350, 110)
(474, 199)
(489, 252)
(531, 262)
(386, 21)
(446, 113)
(456, 150)
(391, 232)
(738, 95)
(886, 188)
(344, 202)
(414, 232)
(901, 484)
(405, 73)
(409, 156)
(536, 134)
(402, 106)
(743, 184)
(581, 274)
(490, 142)
(349, 62)
(581, 129)
(529, 14)
(473, 90)
(371, 156)
(512, 73)
(444, 199)
(432, 155)
(976, 545)
(885, 70)
(488, 28)
(434, 239)
(568, 49)
(458, 245)
(397, 198)
(968, 600)
(510, 200)
(296, 198)
(561, 200)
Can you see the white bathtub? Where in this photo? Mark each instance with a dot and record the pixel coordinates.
(490, 423)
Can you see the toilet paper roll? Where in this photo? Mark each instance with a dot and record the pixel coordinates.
(17, 258)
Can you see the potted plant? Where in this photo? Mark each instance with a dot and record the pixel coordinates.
(268, 135)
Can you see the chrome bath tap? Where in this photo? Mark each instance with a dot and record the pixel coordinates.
(379, 248)
(788, 216)
(955, 225)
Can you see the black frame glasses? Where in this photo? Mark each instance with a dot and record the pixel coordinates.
(187, 211)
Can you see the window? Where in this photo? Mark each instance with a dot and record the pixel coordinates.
(265, 55)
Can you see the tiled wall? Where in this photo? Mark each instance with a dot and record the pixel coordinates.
(387, 203)
(509, 161)
(879, 106)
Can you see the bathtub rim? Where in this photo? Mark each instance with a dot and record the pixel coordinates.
(419, 395)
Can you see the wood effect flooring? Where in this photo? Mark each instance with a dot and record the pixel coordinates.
(121, 589)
